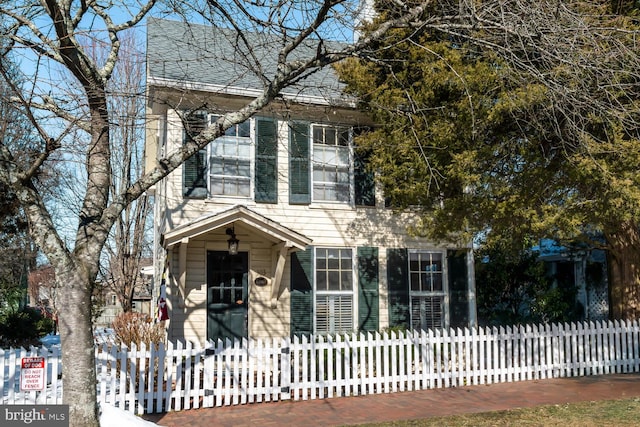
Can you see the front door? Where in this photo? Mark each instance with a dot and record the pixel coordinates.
(227, 295)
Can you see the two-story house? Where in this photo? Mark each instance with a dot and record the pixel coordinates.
(276, 228)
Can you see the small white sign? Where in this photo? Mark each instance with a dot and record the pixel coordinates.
(32, 373)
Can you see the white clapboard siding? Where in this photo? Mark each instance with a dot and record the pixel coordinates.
(181, 376)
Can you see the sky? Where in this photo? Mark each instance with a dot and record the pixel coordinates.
(47, 77)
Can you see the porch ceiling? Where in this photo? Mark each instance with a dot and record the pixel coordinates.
(254, 221)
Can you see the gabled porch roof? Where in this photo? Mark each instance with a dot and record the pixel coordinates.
(252, 220)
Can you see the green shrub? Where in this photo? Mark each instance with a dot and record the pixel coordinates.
(514, 287)
(24, 327)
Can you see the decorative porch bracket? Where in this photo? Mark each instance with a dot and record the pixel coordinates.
(281, 250)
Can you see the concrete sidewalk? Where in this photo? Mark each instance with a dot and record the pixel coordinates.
(409, 405)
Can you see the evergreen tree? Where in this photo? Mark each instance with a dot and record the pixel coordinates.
(523, 131)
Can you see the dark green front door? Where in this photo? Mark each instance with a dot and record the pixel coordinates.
(227, 295)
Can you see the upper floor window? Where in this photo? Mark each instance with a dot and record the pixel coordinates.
(244, 163)
(226, 166)
(230, 162)
(331, 164)
(322, 166)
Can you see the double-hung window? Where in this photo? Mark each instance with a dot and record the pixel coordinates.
(331, 164)
(427, 289)
(242, 160)
(230, 162)
(334, 280)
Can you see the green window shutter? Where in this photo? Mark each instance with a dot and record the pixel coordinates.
(458, 288)
(398, 282)
(299, 159)
(302, 292)
(194, 169)
(266, 173)
(364, 182)
(368, 291)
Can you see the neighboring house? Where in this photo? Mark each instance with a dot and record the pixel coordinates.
(108, 304)
(42, 291)
(109, 307)
(586, 270)
(42, 287)
(276, 229)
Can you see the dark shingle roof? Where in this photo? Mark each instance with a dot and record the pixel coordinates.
(199, 54)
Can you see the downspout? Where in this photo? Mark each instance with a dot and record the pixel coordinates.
(473, 314)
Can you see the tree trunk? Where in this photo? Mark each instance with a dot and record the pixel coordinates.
(623, 261)
(76, 336)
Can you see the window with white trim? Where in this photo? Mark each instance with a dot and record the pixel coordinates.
(334, 296)
(427, 290)
(230, 162)
(331, 163)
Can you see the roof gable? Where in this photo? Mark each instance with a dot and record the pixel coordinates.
(257, 223)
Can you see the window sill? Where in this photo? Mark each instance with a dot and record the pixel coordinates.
(339, 206)
(227, 199)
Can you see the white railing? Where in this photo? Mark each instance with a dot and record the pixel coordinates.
(177, 377)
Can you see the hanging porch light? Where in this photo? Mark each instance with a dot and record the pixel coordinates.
(232, 242)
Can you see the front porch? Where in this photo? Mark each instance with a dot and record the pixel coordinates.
(208, 287)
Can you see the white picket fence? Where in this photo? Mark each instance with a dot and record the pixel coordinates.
(177, 377)
(10, 365)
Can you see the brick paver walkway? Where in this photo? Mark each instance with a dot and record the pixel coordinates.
(408, 405)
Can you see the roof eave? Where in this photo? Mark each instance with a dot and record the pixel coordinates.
(184, 85)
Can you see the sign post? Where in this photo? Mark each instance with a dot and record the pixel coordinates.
(32, 373)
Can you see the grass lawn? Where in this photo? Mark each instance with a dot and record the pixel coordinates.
(625, 412)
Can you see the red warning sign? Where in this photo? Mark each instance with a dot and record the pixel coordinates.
(32, 373)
